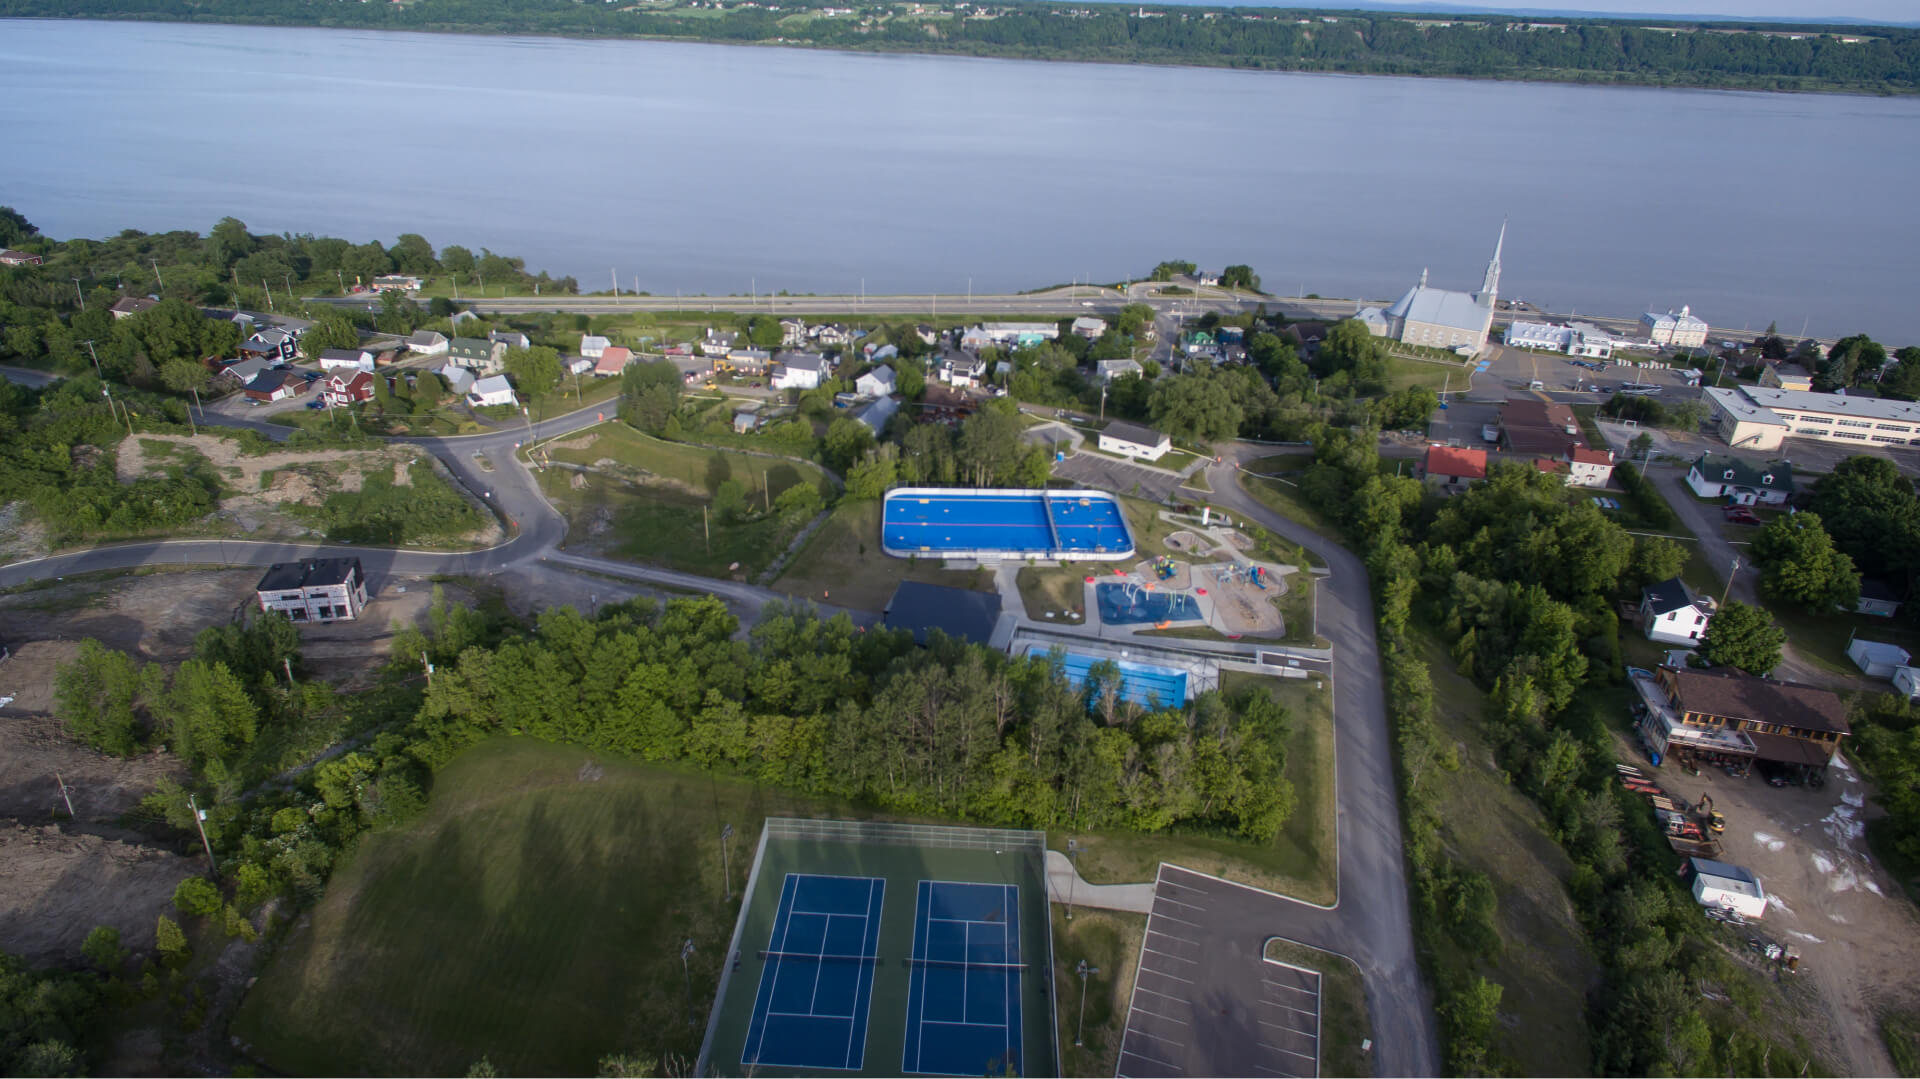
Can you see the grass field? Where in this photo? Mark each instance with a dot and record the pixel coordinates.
(1543, 962)
(651, 501)
(1901, 1033)
(533, 916)
(1302, 862)
(1283, 496)
(1109, 940)
(1404, 373)
(1344, 1020)
(1049, 591)
(842, 564)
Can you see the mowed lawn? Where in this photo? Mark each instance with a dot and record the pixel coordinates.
(533, 915)
(1302, 862)
(842, 564)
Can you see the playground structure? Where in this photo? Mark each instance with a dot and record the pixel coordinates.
(1214, 586)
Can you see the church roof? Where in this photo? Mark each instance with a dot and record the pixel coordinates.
(1440, 307)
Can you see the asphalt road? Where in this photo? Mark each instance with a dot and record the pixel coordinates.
(1371, 921)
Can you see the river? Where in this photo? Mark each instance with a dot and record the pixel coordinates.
(708, 168)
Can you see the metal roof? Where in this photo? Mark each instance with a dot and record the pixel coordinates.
(1441, 307)
(957, 612)
(1133, 432)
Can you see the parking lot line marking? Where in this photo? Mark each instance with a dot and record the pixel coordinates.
(1170, 955)
(1148, 1059)
(1295, 988)
(1177, 903)
(1154, 1037)
(1274, 1071)
(1182, 921)
(1169, 1018)
(1170, 936)
(1296, 1011)
(1288, 1029)
(1169, 996)
(1289, 1052)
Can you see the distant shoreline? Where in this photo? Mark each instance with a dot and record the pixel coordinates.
(1774, 83)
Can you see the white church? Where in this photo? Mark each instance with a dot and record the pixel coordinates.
(1438, 317)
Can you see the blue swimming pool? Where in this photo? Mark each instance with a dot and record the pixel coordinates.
(1129, 604)
(1142, 683)
(957, 523)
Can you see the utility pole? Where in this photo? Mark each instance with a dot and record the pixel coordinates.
(156, 274)
(427, 665)
(78, 295)
(615, 274)
(286, 664)
(199, 821)
(1083, 970)
(1073, 859)
(96, 359)
(726, 833)
(706, 529)
(1731, 574)
(65, 797)
(686, 952)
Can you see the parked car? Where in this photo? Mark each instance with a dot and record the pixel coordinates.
(1740, 515)
(316, 405)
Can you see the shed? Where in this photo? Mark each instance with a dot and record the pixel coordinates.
(1906, 680)
(1877, 599)
(1876, 658)
(745, 421)
(1717, 884)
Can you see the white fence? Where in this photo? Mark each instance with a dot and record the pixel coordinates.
(906, 835)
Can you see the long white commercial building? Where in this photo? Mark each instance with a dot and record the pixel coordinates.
(1760, 418)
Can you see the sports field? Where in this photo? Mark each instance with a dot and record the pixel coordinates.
(897, 956)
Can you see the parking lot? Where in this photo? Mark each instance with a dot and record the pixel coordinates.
(1461, 422)
(1120, 477)
(1206, 1000)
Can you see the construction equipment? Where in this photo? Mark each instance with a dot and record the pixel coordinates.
(1716, 822)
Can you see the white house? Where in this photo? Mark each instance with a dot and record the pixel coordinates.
(592, 345)
(1717, 884)
(1588, 468)
(718, 344)
(1680, 329)
(1906, 680)
(1672, 614)
(1108, 370)
(1133, 440)
(458, 379)
(511, 338)
(492, 390)
(428, 342)
(962, 371)
(1741, 482)
(799, 371)
(1876, 658)
(1088, 326)
(579, 365)
(354, 359)
(878, 382)
(793, 332)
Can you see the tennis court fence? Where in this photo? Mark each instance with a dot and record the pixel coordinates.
(907, 835)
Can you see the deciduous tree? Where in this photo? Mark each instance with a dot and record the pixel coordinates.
(1800, 565)
(1743, 637)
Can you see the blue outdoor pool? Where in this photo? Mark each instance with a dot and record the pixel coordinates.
(1142, 683)
(957, 523)
(1128, 604)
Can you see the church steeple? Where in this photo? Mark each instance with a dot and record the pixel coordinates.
(1490, 287)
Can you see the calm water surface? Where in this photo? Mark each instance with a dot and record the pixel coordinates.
(720, 168)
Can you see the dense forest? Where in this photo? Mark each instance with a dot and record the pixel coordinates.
(1675, 53)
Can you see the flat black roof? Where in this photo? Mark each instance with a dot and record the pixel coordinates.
(284, 576)
(957, 612)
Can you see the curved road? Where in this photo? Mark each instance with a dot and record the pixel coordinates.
(1372, 920)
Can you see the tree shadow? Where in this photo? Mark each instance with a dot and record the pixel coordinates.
(719, 471)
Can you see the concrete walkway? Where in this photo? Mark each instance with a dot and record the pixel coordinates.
(1063, 882)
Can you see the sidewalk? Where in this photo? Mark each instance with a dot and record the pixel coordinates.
(1063, 882)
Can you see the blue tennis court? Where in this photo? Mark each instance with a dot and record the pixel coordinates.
(963, 1002)
(811, 1011)
(961, 523)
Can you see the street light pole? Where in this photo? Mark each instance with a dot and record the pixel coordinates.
(686, 952)
(1083, 970)
(1073, 862)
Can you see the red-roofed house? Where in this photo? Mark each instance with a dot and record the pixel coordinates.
(1588, 468)
(1453, 468)
(612, 361)
(1550, 466)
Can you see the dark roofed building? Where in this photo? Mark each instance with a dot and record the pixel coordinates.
(957, 612)
(314, 589)
(1541, 428)
(1787, 723)
(128, 306)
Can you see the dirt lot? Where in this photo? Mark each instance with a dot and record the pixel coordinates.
(1858, 935)
(59, 885)
(259, 488)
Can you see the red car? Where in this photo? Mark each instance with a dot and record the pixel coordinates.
(1740, 515)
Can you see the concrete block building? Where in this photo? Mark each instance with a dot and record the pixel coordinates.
(314, 590)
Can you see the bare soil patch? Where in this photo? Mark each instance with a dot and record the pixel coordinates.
(59, 885)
